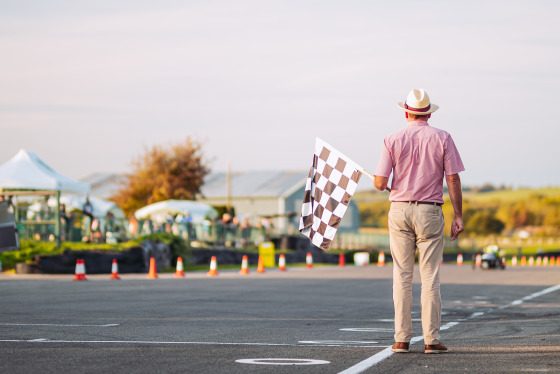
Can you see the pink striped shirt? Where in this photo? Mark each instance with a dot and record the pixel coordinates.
(419, 156)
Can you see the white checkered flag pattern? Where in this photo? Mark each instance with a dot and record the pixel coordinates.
(332, 181)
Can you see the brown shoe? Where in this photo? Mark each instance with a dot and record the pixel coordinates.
(435, 348)
(400, 347)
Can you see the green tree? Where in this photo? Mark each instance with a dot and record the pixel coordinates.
(161, 173)
(483, 223)
(374, 214)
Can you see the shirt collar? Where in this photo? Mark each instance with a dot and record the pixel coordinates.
(418, 123)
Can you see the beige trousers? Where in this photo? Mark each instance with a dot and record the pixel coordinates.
(414, 226)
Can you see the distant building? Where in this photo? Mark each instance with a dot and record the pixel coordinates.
(104, 185)
(275, 195)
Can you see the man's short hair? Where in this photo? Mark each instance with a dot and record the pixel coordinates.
(418, 116)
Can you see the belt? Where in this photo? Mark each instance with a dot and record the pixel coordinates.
(420, 202)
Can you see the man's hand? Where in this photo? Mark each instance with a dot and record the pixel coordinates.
(381, 183)
(456, 227)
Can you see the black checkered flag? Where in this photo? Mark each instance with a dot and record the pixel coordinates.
(332, 181)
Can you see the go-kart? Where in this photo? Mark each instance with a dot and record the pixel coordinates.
(492, 261)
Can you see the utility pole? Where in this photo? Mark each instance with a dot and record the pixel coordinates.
(228, 187)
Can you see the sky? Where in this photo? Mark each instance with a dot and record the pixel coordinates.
(89, 85)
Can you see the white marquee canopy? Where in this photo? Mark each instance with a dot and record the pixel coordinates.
(27, 172)
(198, 211)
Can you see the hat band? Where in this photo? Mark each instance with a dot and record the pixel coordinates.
(416, 109)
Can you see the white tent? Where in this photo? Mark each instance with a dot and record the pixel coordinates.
(101, 207)
(158, 211)
(27, 172)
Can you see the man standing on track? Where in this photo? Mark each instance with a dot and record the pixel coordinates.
(419, 156)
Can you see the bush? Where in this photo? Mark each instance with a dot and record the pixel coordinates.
(177, 245)
(29, 249)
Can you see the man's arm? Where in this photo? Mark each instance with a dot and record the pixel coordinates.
(380, 183)
(456, 196)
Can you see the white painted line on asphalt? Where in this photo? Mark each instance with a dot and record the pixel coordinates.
(367, 329)
(338, 342)
(369, 362)
(138, 342)
(449, 325)
(532, 296)
(387, 352)
(281, 361)
(392, 320)
(56, 324)
(310, 344)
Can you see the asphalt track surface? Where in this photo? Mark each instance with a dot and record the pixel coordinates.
(320, 320)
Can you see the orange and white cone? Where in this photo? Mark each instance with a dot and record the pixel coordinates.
(114, 270)
(341, 260)
(545, 261)
(558, 261)
(514, 261)
(539, 261)
(213, 267)
(244, 266)
(80, 272)
(153, 271)
(531, 261)
(459, 259)
(523, 260)
(180, 270)
(478, 260)
(309, 260)
(552, 261)
(381, 259)
(260, 266)
(282, 263)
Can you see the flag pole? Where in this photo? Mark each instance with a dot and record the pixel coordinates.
(368, 174)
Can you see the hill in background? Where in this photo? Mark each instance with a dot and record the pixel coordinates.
(475, 195)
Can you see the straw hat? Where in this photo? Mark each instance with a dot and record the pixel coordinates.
(418, 102)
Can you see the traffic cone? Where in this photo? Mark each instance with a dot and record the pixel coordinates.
(244, 266)
(539, 261)
(80, 272)
(545, 261)
(558, 261)
(514, 261)
(478, 260)
(381, 259)
(531, 261)
(179, 272)
(282, 263)
(523, 260)
(260, 266)
(114, 270)
(153, 272)
(341, 260)
(552, 261)
(213, 267)
(459, 259)
(309, 260)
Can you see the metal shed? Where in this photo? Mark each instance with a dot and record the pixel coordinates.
(269, 195)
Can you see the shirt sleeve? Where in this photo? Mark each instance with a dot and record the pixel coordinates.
(452, 163)
(385, 165)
